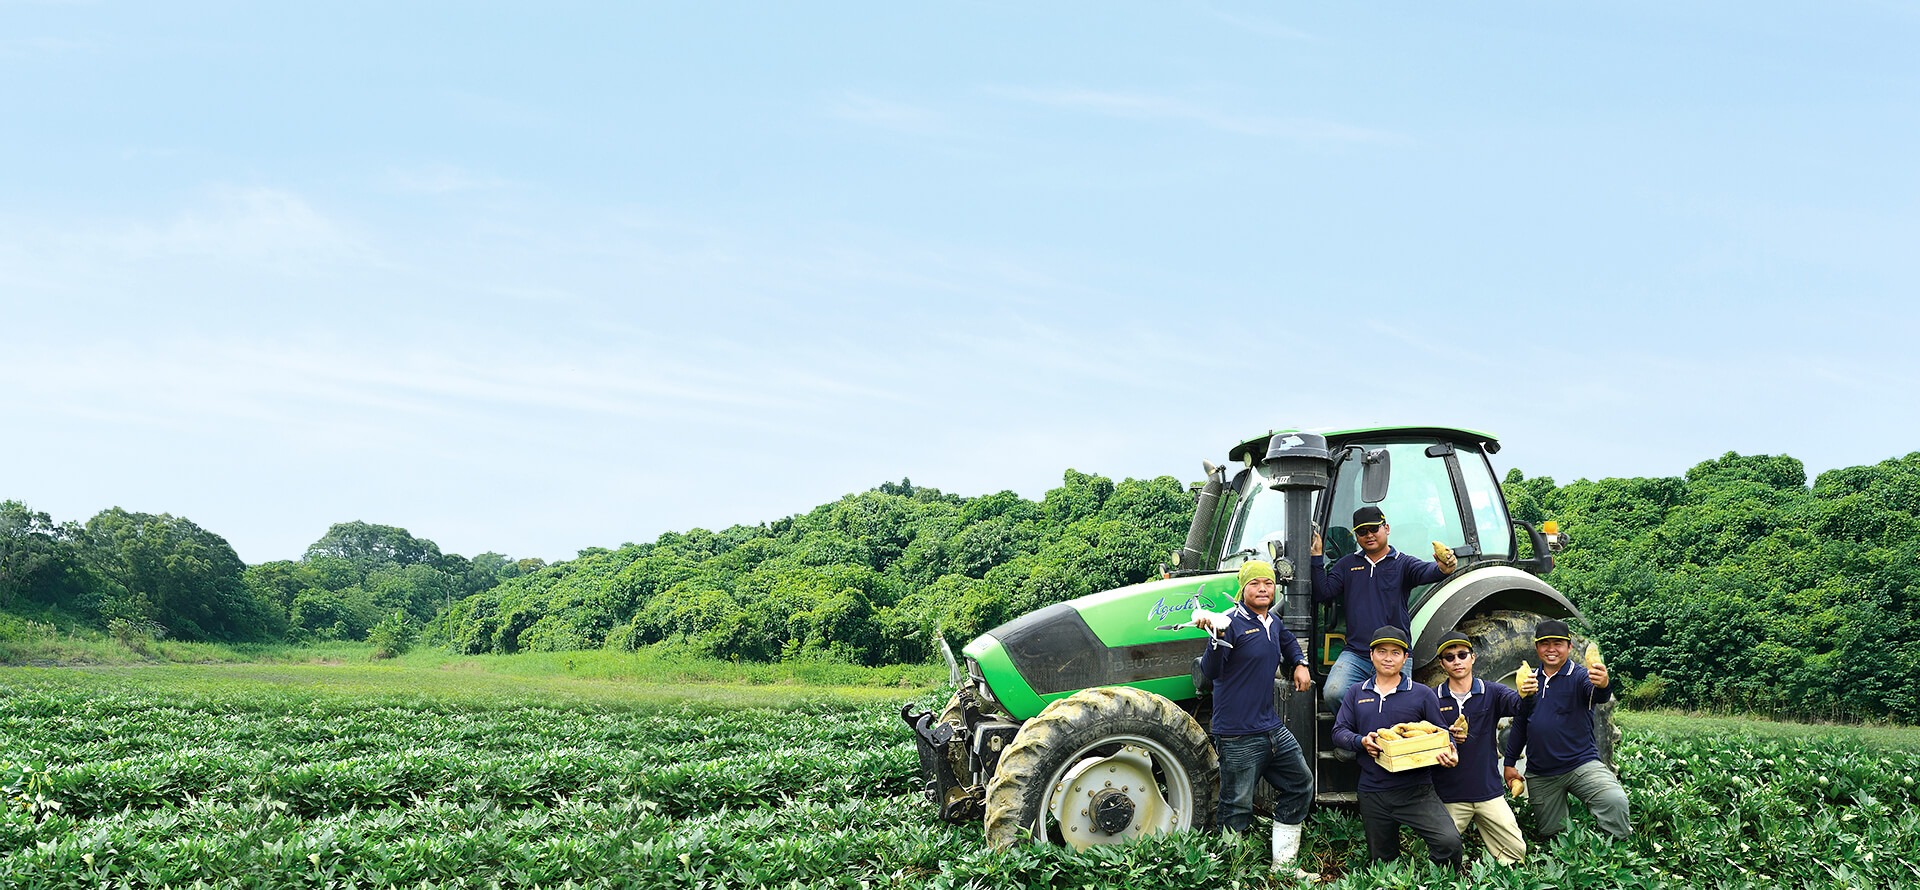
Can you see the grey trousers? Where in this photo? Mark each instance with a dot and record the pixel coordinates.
(1594, 784)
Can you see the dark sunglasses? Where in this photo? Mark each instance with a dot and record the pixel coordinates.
(1456, 656)
(1363, 532)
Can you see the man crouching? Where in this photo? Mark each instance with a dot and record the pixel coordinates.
(1389, 800)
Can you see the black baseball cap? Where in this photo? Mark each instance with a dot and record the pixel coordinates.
(1551, 629)
(1390, 634)
(1453, 638)
(1368, 515)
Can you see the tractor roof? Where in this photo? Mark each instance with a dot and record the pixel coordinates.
(1257, 446)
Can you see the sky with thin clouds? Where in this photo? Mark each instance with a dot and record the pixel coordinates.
(532, 279)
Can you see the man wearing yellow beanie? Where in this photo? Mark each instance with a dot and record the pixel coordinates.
(1253, 742)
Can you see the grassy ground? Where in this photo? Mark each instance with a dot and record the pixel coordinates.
(603, 678)
(1891, 737)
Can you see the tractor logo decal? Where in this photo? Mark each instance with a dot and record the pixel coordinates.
(1161, 609)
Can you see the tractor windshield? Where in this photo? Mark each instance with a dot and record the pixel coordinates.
(1259, 517)
(1423, 505)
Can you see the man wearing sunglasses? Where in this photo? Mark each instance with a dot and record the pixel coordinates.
(1472, 791)
(1373, 585)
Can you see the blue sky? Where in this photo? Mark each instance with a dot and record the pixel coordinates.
(533, 278)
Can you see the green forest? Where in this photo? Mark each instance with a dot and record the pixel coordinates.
(1738, 586)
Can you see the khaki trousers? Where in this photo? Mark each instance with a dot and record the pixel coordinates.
(1498, 829)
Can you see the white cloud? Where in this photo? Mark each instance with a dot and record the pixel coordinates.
(1147, 106)
(33, 47)
(1257, 25)
(887, 114)
(256, 224)
(441, 179)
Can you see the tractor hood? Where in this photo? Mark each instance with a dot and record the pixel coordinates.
(1110, 638)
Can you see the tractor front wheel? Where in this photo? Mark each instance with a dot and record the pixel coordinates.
(1103, 766)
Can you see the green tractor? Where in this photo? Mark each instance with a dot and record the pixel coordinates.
(1085, 722)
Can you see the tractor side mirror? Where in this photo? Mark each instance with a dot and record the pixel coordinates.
(1376, 471)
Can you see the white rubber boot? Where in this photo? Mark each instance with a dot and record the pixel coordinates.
(1286, 846)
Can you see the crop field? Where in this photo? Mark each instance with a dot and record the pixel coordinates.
(113, 782)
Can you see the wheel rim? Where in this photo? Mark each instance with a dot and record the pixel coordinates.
(1119, 777)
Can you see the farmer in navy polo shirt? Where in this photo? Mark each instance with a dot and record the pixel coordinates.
(1253, 742)
(1389, 800)
(1555, 729)
(1472, 790)
(1373, 584)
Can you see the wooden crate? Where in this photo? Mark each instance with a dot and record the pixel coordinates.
(1398, 755)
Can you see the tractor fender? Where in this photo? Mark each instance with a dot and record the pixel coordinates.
(1488, 587)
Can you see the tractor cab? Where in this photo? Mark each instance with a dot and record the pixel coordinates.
(1434, 485)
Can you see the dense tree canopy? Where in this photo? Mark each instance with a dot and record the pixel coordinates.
(1740, 586)
(1736, 585)
(148, 576)
(874, 577)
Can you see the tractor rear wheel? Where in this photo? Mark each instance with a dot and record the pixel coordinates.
(1501, 639)
(1103, 766)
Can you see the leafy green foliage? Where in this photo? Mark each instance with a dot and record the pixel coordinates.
(142, 577)
(252, 787)
(1740, 587)
(872, 578)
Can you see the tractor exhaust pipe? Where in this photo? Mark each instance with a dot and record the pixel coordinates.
(1299, 465)
(1206, 502)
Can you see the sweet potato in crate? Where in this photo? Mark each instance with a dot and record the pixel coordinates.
(1408, 746)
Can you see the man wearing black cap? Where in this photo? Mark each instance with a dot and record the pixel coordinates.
(1555, 729)
(1472, 790)
(1389, 800)
(1374, 584)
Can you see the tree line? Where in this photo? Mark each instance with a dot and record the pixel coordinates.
(1737, 585)
(144, 576)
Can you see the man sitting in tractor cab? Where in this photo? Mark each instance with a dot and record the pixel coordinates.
(1373, 585)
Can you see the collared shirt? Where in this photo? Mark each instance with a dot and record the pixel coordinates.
(1243, 675)
(1555, 726)
(1364, 709)
(1375, 593)
(1477, 778)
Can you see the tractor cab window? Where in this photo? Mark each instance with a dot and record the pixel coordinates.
(1259, 517)
(1489, 506)
(1420, 506)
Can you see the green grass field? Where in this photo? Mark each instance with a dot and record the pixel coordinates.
(598, 770)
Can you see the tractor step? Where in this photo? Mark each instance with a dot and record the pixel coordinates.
(1337, 798)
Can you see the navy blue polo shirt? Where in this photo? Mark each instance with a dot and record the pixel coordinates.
(1243, 675)
(1363, 710)
(1375, 593)
(1555, 726)
(1477, 778)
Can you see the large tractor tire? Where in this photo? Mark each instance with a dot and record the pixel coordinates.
(1501, 639)
(1103, 766)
